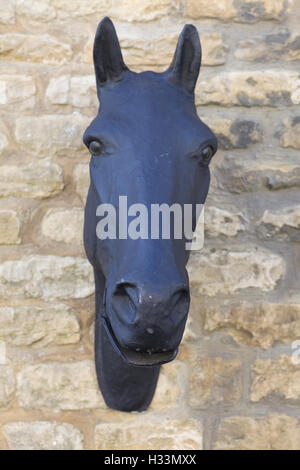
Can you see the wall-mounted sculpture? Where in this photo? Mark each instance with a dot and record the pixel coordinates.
(146, 143)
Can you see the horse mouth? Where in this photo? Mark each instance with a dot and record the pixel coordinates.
(137, 358)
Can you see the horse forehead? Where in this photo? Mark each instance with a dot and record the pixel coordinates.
(144, 94)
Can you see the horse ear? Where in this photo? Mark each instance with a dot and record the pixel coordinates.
(108, 60)
(184, 69)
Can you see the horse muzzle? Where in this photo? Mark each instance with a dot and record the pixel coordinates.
(137, 356)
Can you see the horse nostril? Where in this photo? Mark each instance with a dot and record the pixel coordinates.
(123, 301)
(179, 303)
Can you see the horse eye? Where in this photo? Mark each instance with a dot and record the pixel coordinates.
(207, 153)
(95, 148)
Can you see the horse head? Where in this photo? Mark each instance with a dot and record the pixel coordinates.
(148, 148)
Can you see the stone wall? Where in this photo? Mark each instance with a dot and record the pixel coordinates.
(234, 384)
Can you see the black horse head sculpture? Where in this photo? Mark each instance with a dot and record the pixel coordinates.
(148, 144)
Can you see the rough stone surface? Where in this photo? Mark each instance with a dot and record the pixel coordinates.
(167, 390)
(222, 222)
(291, 134)
(7, 12)
(3, 142)
(39, 326)
(17, 91)
(7, 385)
(237, 133)
(78, 91)
(146, 10)
(42, 435)
(160, 49)
(64, 133)
(214, 381)
(2, 353)
(214, 48)
(136, 10)
(283, 223)
(255, 324)
(47, 277)
(272, 47)
(59, 386)
(39, 10)
(278, 377)
(271, 432)
(244, 11)
(251, 175)
(9, 228)
(81, 177)
(228, 271)
(246, 88)
(64, 225)
(33, 48)
(35, 180)
(144, 433)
